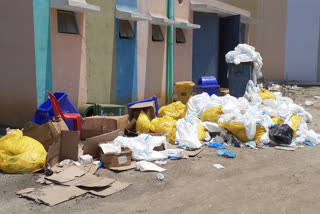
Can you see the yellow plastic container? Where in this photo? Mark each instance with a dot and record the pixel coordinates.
(184, 90)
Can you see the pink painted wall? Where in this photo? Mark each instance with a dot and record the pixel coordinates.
(69, 61)
(151, 55)
(183, 52)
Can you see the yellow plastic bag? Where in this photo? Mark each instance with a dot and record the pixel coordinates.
(21, 154)
(201, 132)
(239, 131)
(165, 125)
(295, 120)
(143, 123)
(176, 110)
(212, 114)
(277, 120)
(265, 94)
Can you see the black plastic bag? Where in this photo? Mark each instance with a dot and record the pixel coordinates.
(281, 133)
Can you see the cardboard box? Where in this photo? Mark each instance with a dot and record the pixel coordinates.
(148, 107)
(116, 159)
(91, 145)
(98, 125)
(58, 141)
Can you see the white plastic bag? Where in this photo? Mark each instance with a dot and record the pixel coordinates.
(110, 148)
(145, 166)
(176, 153)
(187, 134)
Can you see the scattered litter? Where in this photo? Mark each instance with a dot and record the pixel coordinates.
(251, 144)
(281, 134)
(97, 163)
(316, 97)
(285, 148)
(216, 145)
(124, 168)
(161, 162)
(85, 159)
(308, 143)
(218, 166)
(160, 177)
(110, 148)
(145, 166)
(309, 102)
(226, 153)
(173, 153)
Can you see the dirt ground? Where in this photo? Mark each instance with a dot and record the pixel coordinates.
(256, 181)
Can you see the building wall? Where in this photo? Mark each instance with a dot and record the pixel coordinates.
(151, 54)
(69, 61)
(101, 53)
(183, 52)
(302, 40)
(18, 92)
(205, 46)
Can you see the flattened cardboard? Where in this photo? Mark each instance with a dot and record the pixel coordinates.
(124, 168)
(90, 181)
(148, 107)
(91, 145)
(69, 145)
(49, 135)
(89, 168)
(52, 195)
(68, 174)
(115, 187)
(98, 125)
(193, 153)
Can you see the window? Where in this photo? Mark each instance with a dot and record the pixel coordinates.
(157, 34)
(125, 30)
(180, 38)
(67, 22)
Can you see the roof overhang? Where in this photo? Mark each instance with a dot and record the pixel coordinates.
(74, 5)
(131, 16)
(186, 25)
(156, 20)
(222, 9)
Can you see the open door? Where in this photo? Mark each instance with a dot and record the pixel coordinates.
(229, 36)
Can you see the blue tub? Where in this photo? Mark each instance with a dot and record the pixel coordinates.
(45, 111)
(208, 84)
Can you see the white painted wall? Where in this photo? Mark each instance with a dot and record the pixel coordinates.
(301, 58)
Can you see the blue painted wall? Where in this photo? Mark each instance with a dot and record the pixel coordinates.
(126, 60)
(205, 46)
(42, 39)
(127, 5)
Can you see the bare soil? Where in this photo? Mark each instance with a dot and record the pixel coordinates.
(256, 181)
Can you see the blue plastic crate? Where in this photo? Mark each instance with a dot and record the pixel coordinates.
(208, 84)
(45, 111)
(154, 98)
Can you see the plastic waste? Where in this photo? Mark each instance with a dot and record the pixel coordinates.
(309, 102)
(166, 126)
(239, 131)
(176, 110)
(218, 166)
(85, 159)
(176, 153)
(312, 137)
(143, 123)
(201, 132)
(142, 146)
(212, 127)
(265, 94)
(212, 114)
(21, 154)
(251, 144)
(216, 145)
(145, 166)
(110, 148)
(281, 134)
(308, 143)
(160, 177)
(187, 134)
(226, 153)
